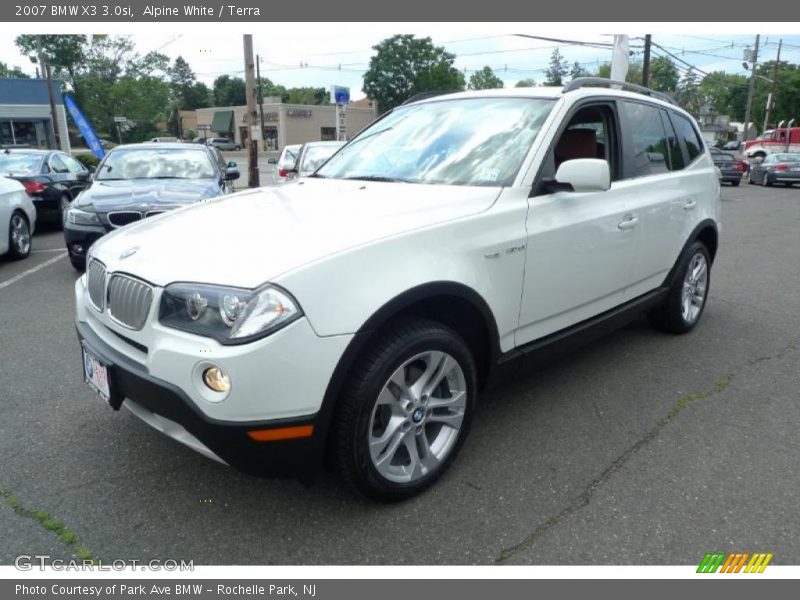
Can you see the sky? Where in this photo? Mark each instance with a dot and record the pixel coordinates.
(322, 55)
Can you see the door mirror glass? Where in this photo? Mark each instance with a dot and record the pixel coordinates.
(585, 175)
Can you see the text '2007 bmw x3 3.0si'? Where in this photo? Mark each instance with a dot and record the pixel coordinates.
(356, 313)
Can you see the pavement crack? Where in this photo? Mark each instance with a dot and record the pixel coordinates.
(64, 534)
(584, 498)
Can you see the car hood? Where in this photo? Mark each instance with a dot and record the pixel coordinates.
(129, 194)
(252, 237)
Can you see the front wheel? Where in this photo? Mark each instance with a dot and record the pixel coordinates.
(687, 296)
(405, 411)
(765, 181)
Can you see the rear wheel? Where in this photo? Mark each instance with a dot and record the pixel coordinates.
(19, 236)
(687, 297)
(405, 411)
(765, 180)
(735, 183)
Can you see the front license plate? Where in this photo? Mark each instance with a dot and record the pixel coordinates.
(95, 373)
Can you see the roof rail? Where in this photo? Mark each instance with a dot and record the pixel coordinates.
(580, 82)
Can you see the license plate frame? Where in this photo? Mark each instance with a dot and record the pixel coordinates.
(97, 375)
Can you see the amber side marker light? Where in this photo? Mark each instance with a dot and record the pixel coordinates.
(282, 433)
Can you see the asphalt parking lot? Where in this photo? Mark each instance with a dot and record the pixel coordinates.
(641, 448)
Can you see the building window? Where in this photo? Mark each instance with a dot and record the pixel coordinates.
(31, 133)
(327, 134)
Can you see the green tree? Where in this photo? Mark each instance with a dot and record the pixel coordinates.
(664, 75)
(307, 95)
(229, 91)
(66, 53)
(404, 65)
(526, 83)
(634, 74)
(11, 72)
(578, 71)
(557, 70)
(726, 93)
(688, 93)
(485, 79)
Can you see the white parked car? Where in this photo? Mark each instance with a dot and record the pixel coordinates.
(17, 219)
(286, 162)
(358, 313)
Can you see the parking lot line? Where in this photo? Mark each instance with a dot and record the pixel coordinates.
(31, 271)
(47, 250)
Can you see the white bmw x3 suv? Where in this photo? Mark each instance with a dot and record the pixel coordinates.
(357, 313)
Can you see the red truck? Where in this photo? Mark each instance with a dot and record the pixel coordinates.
(780, 139)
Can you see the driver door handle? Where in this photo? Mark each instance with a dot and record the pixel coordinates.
(629, 222)
(690, 205)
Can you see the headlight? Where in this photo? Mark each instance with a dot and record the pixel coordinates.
(229, 315)
(81, 217)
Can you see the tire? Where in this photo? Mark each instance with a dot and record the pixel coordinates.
(680, 311)
(238, 148)
(19, 236)
(393, 435)
(765, 180)
(750, 179)
(735, 183)
(78, 262)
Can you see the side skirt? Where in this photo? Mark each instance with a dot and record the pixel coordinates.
(544, 350)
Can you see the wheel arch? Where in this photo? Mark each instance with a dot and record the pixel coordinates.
(450, 303)
(706, 232)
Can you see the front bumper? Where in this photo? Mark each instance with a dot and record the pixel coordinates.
(168, 409)
(79, 238)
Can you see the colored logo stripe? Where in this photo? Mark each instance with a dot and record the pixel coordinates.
(734, 562)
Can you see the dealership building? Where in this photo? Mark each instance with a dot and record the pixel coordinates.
(283, 124)
(25, 115)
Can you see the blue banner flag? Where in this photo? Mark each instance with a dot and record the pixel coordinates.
(87, 131)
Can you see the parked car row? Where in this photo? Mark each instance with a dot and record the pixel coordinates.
(781, 168)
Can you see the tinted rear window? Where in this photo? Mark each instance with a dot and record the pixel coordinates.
(686, 132)
(19, 164)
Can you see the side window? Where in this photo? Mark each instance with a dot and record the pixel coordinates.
(686, 132)
(650, 150)
(73, 165)
(57, 165)
(676, 162)
(589, 134)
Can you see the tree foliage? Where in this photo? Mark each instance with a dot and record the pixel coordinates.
(525, 83)
(11, 72)
(404, 65)
(664, 74)
(557, 70)
(578, 71)
(485, 79)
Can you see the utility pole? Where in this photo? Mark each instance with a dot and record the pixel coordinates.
(751, 90)
(252, 115)
(45, 66)
(260, 99)
(771, 97)
(646, 61)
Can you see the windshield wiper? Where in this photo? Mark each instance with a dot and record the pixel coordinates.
(377, 178)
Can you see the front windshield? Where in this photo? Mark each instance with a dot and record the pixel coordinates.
(315, 156)
(471, 141)
(19, 164)
(149, 163)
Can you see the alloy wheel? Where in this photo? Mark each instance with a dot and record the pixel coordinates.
(695, 286)
(417, 417)
(20, 235)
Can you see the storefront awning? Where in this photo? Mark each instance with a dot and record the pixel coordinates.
(223, 121)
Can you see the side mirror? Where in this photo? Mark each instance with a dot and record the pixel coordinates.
(585, 175)
(84, 175)
(232, 165)
(231, 174)
(272, 161)
(91, 168)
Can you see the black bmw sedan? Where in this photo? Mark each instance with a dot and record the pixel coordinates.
(137, 181)
(51, 178)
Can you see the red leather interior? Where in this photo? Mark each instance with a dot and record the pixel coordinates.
(576, 143)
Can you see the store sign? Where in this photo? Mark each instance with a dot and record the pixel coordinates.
(299, 112)
(204, 128)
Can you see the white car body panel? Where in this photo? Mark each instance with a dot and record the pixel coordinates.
(12, 198)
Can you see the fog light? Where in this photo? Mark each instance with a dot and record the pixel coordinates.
(77, 248)
(216, 379)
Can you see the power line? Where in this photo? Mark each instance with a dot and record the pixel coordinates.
(691, 66)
